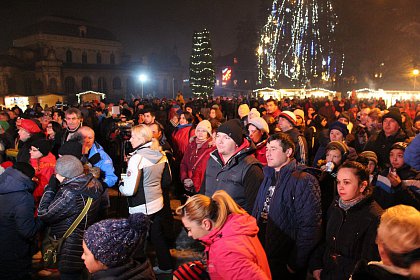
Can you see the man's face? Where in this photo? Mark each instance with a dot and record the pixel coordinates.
(336, 135)
(224, 144)
(148, 118)
(275, 155)
(73, 121)
(271, 107)
(155, 131)
(334, 156)
(344, 121)
(284, 124)
(88, 139)
(56, 117)
(390, 126)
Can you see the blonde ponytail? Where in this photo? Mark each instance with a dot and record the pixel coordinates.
(217, 208)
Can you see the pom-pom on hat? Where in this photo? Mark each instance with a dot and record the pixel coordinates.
(113, 241)
(25, 168)
(69, 166)
(259, 123)
(30, 126)
(290, 116)
(233, 129)
(44, 146)
(243, 110)
(340, 127)
(253, 113)
(206, 125)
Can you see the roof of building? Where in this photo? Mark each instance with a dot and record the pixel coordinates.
(55, 25)
(8, 60)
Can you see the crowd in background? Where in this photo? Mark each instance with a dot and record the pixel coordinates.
(300, 185)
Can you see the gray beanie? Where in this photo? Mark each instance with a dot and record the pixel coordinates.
(69, 166)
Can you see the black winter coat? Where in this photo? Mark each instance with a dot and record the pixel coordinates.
(17, 224)
(381, 145)
(132, 270)
(350, 237)
(59, 210)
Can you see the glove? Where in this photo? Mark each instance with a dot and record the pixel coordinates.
(53, 184)
(188, 184)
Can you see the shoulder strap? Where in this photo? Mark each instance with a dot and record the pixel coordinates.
(78, 219)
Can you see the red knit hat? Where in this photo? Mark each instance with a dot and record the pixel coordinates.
(30, 126)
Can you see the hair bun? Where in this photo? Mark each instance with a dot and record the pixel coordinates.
(139, 222)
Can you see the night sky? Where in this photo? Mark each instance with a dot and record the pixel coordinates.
(141, 25)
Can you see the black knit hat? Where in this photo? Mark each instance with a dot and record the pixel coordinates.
(25, 168)
(340, 127)
(233, 129)
(393, 114)
(113, 241)
(44, 146)
(72, 148)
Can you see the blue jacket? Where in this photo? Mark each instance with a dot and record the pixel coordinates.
(17, 223)
(412, 153)
(293, 227)
(99, 158)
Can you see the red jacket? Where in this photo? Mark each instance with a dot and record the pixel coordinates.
(194, 162)
(181, 137)
(44, 168)
(235, 252)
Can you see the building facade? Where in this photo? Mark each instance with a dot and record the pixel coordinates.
(67, 56)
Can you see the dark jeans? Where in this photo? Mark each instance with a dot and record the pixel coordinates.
(159, 241)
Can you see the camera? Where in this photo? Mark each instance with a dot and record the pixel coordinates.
(125, 128)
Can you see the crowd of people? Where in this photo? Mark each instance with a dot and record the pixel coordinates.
(274, 189)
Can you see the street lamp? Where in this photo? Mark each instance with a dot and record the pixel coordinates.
(142, 79)
(415, 74)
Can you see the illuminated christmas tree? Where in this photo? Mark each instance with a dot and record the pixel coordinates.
(297, 45)
(202, 77)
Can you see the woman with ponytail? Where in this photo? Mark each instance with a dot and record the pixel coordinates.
(399, 247)
(229, 235)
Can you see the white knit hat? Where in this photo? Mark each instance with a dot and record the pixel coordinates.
(260, 123)
(204, 124)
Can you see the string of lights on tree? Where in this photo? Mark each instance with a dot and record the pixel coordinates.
(297, 45)
(202, 76)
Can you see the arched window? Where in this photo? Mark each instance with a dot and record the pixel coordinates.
(53, 85)
(69, 85)
(116, 83)
(112, 59)
(69, 56)
(86, 84)
(102, 85)
(98, 58)
(84, 58)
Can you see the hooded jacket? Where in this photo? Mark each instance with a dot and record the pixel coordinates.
(132, 270)
(17, 223)
(60, 208)
(240, 176)
(234, 251)
(143, 184)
